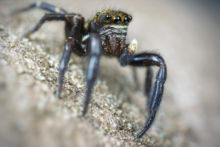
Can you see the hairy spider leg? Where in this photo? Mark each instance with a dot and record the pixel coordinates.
(150, 59)
(148, 86)
(95, 48)
(41, 5)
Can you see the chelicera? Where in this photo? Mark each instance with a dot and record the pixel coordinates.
(104, 34)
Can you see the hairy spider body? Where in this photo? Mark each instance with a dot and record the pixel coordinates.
(104, 34)
(112, 27)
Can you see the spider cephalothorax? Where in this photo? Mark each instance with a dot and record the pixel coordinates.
(112, 27)
(104, 34)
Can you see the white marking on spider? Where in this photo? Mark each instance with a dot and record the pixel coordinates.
(133, 46)
(85, 37)
(57, 10)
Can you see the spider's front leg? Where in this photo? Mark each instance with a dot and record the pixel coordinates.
(94, 48)
(149, 59)
(74, 32)
(63, 64)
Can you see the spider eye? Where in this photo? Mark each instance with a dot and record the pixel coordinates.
(108, 16)
(117, 20)
(126, 20)
(130, 18)
(98, 13)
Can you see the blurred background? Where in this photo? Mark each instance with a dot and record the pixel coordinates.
(186, 33)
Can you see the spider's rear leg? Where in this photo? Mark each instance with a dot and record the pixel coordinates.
(94, 47)
(46, 17)
(149, 59)
(41, 5)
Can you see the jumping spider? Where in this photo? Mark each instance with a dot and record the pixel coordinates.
(103, 34)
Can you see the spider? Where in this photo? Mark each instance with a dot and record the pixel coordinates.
(103, 34)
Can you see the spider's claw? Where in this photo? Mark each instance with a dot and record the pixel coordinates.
(58, 94)
(87, 100)
(61, 78)
(60, 83)
(138, 139)
(147, 125)
(84, 111)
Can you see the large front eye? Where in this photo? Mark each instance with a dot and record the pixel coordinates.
(117, 19)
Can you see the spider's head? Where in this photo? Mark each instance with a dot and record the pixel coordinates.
(112, 27)
(112, 17)
(109, 21)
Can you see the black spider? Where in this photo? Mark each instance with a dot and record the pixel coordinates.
(104, 34)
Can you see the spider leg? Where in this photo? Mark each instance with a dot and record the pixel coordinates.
(148, 86)
(41, 5)
(63, 64)
(46, 17)
(74, 28)
(150, 59)
(148, 81)
(94, 46)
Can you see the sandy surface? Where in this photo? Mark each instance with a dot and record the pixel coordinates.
(186, 34)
